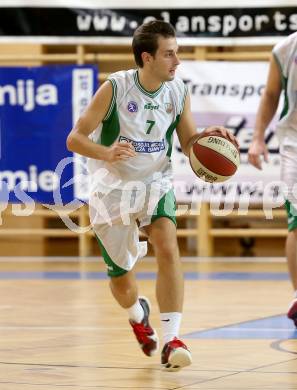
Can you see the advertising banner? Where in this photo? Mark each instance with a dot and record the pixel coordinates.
(228, 94)
(202, 22)
(38, 107)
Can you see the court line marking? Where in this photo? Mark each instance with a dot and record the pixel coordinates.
(72, 385)
(93, 328)
(94, 259)
(156, 368)
(277, 345)
(252, 370)
(78, 328)
(145, 275)
(245, 328)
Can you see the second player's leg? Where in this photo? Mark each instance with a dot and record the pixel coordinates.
(291, 253)
(288, 176)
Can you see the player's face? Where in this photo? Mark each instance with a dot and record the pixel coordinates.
(165, 60)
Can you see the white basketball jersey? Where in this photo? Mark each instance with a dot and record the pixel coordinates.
(286, 56)
(147, 120)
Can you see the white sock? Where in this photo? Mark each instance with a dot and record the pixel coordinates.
(170, 325)
(136, 312)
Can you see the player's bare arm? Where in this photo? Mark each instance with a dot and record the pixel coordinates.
(187, 132)
(267, 109)
(78, 141)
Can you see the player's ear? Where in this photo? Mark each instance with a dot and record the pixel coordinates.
(146, 57)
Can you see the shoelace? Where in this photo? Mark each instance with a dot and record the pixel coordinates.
(142, 332)
(176, 343)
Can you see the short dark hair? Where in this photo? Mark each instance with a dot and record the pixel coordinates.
(145, 38)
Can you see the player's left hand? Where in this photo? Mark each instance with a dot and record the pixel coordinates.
(221, 129)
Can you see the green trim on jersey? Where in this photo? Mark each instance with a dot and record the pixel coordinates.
(113, 270)
(286, 99)
(166, 207)
(172, 127)
(111, 124)
(113, 99)
(169, 135)
(184, 99)
(284, 81)
(144, 91)
(110, 129)
(292, 216)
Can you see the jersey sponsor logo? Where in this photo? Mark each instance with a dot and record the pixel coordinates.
(168, 107)
(145, 146)
(132, 106)
(150, 106)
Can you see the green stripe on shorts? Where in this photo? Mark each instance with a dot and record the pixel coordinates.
(166, 207)
(292, 216)
(113, 270)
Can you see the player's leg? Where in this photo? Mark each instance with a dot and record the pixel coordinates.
(120, 251)
(288, 175)
(170, 292)
(125, 292)
(170, 283)
(291, 255)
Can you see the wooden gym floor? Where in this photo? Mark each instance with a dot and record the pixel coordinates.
(61, 329)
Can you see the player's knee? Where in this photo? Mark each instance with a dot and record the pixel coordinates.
(167, 262)
(167, 253)
(166, 249)
(121, 285)
(120, 290)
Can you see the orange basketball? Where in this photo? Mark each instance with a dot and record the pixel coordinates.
(214, 158)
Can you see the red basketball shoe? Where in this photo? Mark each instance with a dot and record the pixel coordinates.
(292, 312)
(146, 336)
(175, 355)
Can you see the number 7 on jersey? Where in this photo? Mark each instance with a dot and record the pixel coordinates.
(150, 126)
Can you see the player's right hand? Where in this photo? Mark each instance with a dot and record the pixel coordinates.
(120, 151)
(256, 150)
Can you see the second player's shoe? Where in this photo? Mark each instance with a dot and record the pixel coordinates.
(175, 355)
(292, 312)
(146, 336)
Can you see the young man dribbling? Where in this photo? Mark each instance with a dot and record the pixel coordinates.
(127, 132)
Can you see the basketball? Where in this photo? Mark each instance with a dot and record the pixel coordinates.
(214, 158)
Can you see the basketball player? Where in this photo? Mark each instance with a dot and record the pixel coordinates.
(282, 76)
(131, 121)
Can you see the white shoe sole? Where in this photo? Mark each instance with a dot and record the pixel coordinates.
(178, 359)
